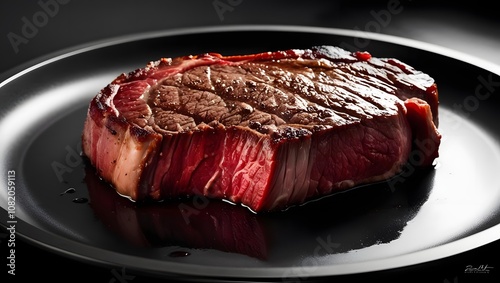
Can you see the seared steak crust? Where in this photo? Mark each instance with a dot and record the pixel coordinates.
(266, 130)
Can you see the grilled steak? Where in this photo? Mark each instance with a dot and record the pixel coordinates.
(267, 130)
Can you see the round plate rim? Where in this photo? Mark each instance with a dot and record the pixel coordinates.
(84, 252)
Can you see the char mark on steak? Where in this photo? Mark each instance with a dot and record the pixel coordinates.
(267, 130)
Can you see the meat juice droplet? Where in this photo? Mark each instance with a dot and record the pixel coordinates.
(68, 191)
(179, 254)
(80, 200)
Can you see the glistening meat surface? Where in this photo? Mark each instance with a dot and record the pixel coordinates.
(267, 130)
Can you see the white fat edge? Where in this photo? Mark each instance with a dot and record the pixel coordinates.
(145, 95)
(128, 157)
(109, 101)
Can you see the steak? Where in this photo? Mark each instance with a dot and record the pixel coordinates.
(266, 130)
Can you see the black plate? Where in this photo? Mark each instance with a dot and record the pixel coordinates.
(423, 216)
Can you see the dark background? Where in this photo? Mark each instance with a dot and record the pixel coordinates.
(31, 31)
(470, 27)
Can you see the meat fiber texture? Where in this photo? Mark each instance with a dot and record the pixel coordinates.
(267, 130)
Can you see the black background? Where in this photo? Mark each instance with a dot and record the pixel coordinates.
(31, 31)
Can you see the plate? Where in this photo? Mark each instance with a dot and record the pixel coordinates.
(57, 202)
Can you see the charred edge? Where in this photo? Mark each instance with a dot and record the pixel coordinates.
(116, 124)
(289, 133)
(334, 54)
(141, 134)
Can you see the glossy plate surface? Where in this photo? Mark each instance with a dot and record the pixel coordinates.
(421, 216)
